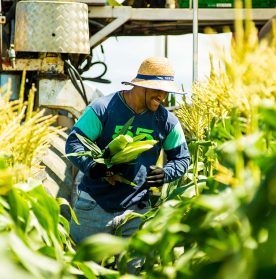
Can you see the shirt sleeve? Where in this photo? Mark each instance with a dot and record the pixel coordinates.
(178, 156)
(90, 127)
(89, 124)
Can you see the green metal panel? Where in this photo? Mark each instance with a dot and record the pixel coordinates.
(227, 3)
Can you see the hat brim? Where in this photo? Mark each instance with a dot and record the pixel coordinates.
(164, 85)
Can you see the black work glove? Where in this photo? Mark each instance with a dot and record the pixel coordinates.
(99, 170)
(155, 177)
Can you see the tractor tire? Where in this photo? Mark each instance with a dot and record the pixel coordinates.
(58, 176)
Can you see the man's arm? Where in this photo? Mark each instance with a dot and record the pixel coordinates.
(90, 127)
(178, 156)
(178, 161)
(74, 145)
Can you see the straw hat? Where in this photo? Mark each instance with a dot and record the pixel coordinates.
(156, 73)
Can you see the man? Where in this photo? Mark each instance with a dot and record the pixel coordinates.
(103, 202)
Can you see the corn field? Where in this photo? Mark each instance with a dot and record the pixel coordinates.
(218, 221)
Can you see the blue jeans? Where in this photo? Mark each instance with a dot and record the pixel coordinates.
(93, 219)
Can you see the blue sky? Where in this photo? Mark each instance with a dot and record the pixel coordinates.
(123, 55)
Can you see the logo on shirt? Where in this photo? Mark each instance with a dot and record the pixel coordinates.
(138, 131)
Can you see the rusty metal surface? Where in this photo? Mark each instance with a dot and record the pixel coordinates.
(52, 26)
(48, 65)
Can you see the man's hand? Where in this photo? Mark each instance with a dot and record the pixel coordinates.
(155, 177)
(114, 179)
(99, 170)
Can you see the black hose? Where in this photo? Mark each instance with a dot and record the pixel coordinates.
(103, 64)
(12, 32)
(75, 77)
(100, 80)
(11, 12)
(89, 65)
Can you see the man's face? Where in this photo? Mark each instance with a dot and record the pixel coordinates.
(154, 98)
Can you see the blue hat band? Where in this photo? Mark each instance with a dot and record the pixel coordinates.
(149, 77)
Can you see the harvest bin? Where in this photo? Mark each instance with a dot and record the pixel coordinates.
(226, 3)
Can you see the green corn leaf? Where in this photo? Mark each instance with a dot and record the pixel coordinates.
(96, 151)
(87, 271)
(47, 251)
(103, 161)
(89, 144)
(93, 270)
(114, 3)
(126, 181)
(100, 160)
(63, 222)
(100, 246)
(11, 267)
(268, 115)
(19, 209)
(128, 215)
(85, 153)
(139, 137)
(37, 264)
(39, 232)
(62, 201)
(126, 126)
(45, 209)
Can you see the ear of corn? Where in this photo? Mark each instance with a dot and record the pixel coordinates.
(123, 149)
(119, 143)
(132, 151)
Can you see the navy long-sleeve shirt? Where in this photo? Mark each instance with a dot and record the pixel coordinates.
(101, 122)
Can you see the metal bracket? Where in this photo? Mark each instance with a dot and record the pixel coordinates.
(109, 28)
